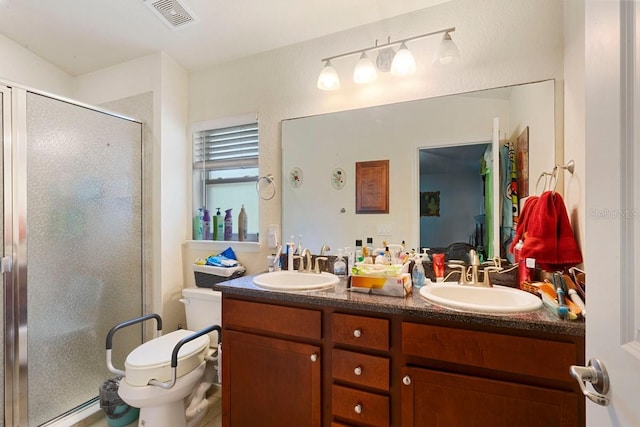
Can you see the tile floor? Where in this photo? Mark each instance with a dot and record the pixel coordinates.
(213, 418)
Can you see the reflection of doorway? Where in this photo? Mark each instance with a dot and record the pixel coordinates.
(453, 173)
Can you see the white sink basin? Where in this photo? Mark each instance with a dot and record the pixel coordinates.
(295, 281)
(495, 300)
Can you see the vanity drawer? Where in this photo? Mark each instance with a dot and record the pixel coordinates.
(360, 369)
(360, 406)
(362, 331)
(519, 355)
(297, 322)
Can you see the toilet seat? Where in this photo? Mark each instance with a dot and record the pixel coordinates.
(152, 360)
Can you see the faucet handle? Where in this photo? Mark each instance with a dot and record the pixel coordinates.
(486, 280)
(318, 259)
(463, 273)
(300, 262)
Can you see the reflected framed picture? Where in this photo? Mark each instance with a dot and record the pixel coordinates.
(429, 203)
(372, 187)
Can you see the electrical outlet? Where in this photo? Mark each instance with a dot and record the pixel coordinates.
(384, 229)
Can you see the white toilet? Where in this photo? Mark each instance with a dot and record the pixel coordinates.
(203, 307)
(149, 368)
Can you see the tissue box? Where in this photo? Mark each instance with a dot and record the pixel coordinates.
(396, 286)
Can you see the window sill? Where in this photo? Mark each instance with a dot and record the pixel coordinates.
(220, 245)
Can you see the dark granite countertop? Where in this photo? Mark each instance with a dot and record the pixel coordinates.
(543, 320)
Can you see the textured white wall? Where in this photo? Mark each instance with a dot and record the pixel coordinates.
(18, 65)
(502, 43)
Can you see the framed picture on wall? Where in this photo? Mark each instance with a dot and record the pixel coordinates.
(429, 203)
(372, 187)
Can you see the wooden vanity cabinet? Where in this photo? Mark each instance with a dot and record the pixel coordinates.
(274, 378)
(296, 364)
(459, 377)
(360, 370)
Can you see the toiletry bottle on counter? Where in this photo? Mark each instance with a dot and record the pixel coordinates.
(417, 274)
(228, 225)
(339, 265)
(220, 225)
(359, 256)
(242, 225)
(206, 225)
(524, 274)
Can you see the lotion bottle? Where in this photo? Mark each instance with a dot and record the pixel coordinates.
(220, 225)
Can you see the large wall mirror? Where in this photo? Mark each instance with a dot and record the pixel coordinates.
(435, 149)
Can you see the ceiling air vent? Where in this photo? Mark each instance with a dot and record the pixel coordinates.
(171, 12)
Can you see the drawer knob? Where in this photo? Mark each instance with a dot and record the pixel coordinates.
(358, 408)
(314, 357)
(357, 370)
(406, 380)
(357, 333)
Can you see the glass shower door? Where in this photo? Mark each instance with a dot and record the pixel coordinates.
(84, 249)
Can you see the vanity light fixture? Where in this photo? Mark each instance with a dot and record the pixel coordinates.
(400, 63)
(328, 78)
(404, 64)
(365, 71)
(447, 52)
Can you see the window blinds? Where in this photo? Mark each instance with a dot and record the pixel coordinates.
(234, 147)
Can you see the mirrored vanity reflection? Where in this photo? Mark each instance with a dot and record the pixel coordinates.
(433, 146)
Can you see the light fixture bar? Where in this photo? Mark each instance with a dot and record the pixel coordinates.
(390, 43)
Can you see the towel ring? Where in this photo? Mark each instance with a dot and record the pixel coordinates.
(266, 187)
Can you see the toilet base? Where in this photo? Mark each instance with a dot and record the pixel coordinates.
(168, 414)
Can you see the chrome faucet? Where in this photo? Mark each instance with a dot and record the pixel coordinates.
(305, 255)
(318, 259)
(324, 249)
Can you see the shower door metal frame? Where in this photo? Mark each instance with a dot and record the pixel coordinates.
(14, 259)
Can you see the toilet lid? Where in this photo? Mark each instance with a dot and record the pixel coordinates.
(152, 360)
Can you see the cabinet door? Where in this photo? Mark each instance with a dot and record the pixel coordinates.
(269, 382)
(431, 398)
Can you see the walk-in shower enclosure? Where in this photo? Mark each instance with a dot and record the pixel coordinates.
(72, 261)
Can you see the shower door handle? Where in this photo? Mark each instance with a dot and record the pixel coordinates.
(5, 264)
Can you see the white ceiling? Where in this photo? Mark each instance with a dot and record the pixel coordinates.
(81, 36)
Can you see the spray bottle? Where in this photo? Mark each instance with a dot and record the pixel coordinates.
(242, 225)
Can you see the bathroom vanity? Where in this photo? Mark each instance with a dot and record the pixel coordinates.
(350, 359)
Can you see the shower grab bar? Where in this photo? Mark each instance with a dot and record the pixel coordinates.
(125, 324)
(176, 349)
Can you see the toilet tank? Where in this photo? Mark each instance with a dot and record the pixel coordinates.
(203, 308)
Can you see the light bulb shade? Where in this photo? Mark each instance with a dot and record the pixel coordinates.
(447, 52)
(403, 63)
(328, 78)
(365, 71)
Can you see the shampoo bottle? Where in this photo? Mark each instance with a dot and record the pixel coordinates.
(220, 225)
(242, 225)
(228, 225)
(206, 225)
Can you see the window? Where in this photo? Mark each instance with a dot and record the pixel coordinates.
(225, 171)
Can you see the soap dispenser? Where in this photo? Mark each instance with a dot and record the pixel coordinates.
(417, 274)
(339, 265)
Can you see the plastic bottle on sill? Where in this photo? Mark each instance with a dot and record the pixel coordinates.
(220, 225)
(206, 225)
(228, 225)
(242, 225)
